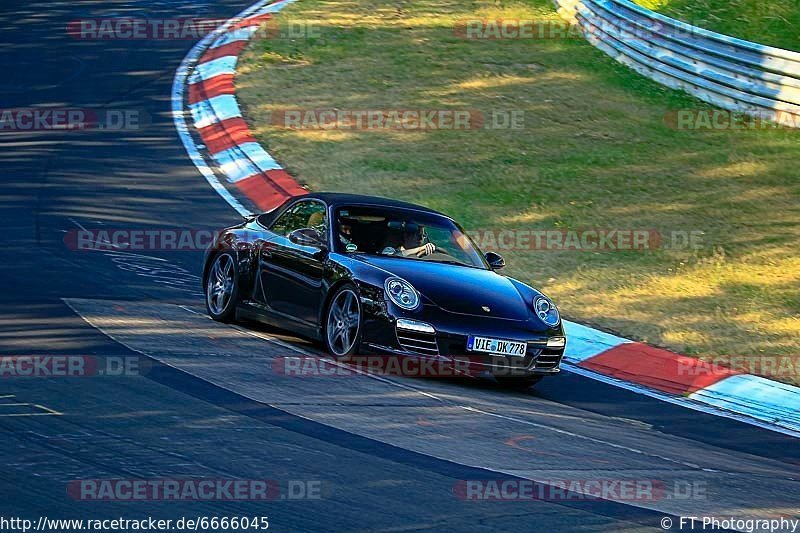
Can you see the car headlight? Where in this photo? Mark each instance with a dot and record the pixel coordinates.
(546, 311)
(402, 293)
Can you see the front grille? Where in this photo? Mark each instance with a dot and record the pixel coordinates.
(416, 342)
(532, 351)
(548, 360)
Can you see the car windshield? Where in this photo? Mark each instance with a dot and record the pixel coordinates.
(403, 233)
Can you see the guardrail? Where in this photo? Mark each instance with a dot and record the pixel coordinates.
(724, 71)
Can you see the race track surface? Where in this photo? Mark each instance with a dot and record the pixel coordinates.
(388, 453)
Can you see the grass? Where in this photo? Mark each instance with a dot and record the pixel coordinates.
(772, 22)
(594, 152)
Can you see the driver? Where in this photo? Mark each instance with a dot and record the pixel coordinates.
(414, 243)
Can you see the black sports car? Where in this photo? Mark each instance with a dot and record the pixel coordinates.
(376, 276)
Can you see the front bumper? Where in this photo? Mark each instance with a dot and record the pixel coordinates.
(449, 341)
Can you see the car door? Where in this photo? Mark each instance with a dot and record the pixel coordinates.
(291, 273)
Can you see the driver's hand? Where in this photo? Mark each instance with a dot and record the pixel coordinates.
(426, 249)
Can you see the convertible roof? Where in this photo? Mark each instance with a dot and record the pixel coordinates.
(337, 199)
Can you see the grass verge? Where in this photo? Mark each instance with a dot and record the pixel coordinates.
(594, 151)
(772, 22)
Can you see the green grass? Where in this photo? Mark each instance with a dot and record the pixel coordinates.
(594, 152)
(772, 22)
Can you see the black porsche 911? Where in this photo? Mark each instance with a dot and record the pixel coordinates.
(370, 275)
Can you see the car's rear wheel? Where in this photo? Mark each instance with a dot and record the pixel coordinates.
(222, 287)
(342, 328)
(519, 382)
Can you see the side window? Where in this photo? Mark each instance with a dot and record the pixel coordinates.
(306, 214)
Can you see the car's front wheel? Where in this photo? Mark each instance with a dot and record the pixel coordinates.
(519, 382)
(222, 287)
(342, 328)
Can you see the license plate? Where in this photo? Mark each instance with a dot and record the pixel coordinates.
(496, 346)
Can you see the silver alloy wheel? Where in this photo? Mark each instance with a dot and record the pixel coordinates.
(343, 322)
(219, 287)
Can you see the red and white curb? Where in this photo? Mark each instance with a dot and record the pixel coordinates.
(683, 380)
(204, 94)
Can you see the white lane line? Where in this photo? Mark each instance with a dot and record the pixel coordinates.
(80, 226)
(327, 359)
(637, 451)
(240, 329)
(30, 414)
(47, 410)
(103, 241)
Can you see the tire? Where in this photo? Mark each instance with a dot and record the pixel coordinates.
(341, 329)
(519, 382)
(222, 287)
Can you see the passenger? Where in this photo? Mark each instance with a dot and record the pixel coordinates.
(345, 232)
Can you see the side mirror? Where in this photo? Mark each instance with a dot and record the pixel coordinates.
(495, 260)
(307, 237)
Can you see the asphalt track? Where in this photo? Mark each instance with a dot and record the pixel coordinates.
(386, 451)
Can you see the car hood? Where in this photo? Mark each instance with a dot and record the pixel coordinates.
(458, 289)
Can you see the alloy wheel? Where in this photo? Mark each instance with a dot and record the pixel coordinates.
(343, 322)
(220, 284)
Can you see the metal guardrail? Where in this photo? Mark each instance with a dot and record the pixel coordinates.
(724, 71)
